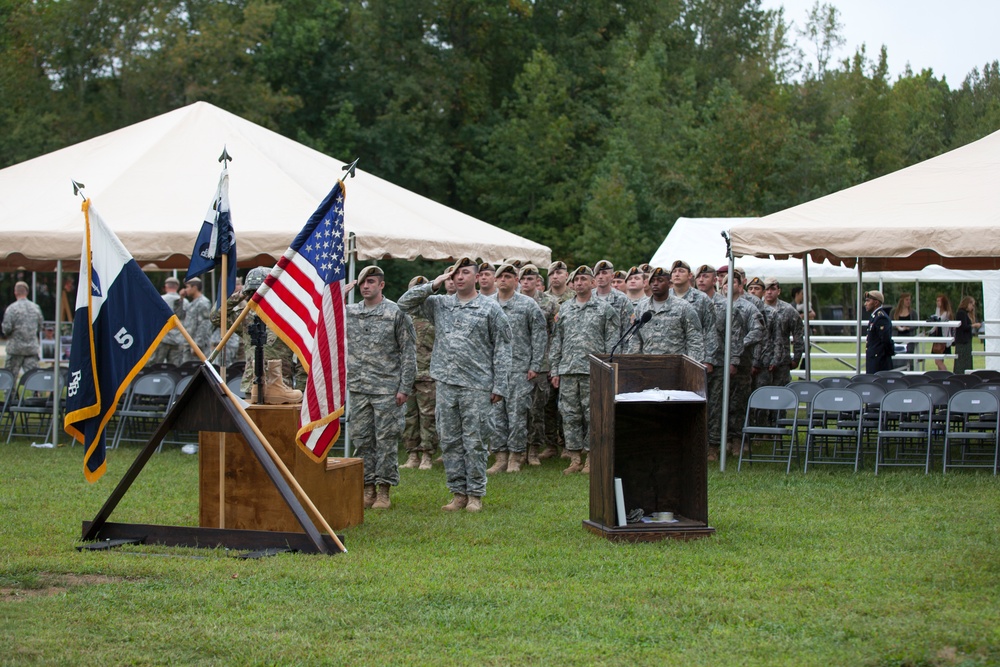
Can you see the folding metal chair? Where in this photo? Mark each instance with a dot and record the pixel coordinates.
(147, 402)
(905, 418)
(33, 403)
(234, 386)
(834, 434)
(864, 377)
(937, 375)
(7, 384)
(804, 390)
(890, 374)
(834, 382)
(973, 428)
(763, 425)
(871, 398)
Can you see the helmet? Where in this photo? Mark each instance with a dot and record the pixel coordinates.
(255, 278)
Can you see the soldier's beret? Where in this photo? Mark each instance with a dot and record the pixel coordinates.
(370, 271)
(582, 270)
(645, 268)
(705, 268)
(603, 265)
(555, 266)
(743, 274)
(619, 275)
(462, 263)
(516, 263)
(770, 282)
(723, 269)
(506, 268)
(681, 264)
(416, 280)
(659, 272)
(528, 270)
(755, 282)
(634, 271)
(485, 267)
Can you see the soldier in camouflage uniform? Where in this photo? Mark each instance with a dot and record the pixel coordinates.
(197, 316)
(635, 283)
(604, 273)
(748, 332)
(705, 280)
(559, 290)
(420, 435)
(558, 279)
(785, 324)
(172, 348)
(674, 327)
(680, 280)
(381, 366)
(470, 364)
(274, 348)
(618, 281)
(585, 325)
(765, 349)
(487, 279)
(22, 326)
(542, 429)
(529, 339)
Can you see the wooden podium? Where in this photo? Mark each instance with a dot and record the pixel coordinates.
(659, 450)
(252, 501)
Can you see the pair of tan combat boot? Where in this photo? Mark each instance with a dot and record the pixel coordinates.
(276, 392)
(420, 460)
(577, 464)
(377, 499)
(461, 501)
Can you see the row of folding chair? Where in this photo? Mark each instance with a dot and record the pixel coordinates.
(28, 405)
(903, 420)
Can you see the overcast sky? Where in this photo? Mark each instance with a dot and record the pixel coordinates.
(949, 37)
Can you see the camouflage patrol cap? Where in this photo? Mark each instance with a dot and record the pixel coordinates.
(255, 278)
(659, 272)
(705, 268)
(633, 271)
(582, 270)
(370, 271)
(603, 265)
(755, 282)
(485, 267)
(462, 263)
(528, 270)
(557, 265)
(619, 275)
(416, 280)
(507, 268)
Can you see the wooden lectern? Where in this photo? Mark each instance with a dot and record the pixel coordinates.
(659, 450)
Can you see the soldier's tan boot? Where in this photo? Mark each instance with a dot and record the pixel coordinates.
(412, 461)
(457, 503)
(369, 495)
(533, 456)
(574, 463)
(500, 464)
(549, 452)
(276, 392)
(475, 504)
(382, 498)
(425, 461)
(565, 454)
(586, 466)
(515, 462)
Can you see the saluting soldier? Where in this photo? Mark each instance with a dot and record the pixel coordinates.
(470, 364)
(381, 367)
(585, 325)
(420, 435)
(529, 339)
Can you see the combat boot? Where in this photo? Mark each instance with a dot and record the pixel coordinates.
(369, 495)
(382, 498)
(515, 462)
(500, 464)
(533, 456)
(276, 392)
(574, 463)
(475, 504)
(412, 461)
(425, 461)
(586, 466)
(457, 503)
(549, 452)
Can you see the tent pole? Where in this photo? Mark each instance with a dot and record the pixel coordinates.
(859, 306)
(724, 431)
(805, 315)
(352, 258)
(56, 354)
(915, 309)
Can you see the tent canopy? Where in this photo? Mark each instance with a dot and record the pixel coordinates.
(699, 241)
(945, 210)
(154, 181)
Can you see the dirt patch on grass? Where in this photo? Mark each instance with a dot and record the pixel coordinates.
(46, 584)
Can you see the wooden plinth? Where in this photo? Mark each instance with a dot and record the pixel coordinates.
(252, 501)
(684, 529)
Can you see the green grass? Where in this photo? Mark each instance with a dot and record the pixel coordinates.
(828, 568)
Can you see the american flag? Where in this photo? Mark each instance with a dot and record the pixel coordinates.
(302, 300)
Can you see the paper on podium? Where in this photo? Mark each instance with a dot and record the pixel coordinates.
(657, 395)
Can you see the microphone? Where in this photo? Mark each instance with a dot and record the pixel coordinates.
(631, 331)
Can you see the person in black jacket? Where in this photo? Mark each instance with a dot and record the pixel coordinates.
(879, 348)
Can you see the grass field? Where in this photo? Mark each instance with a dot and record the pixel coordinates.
(829, 568)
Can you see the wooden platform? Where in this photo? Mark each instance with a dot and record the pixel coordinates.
(252, 501)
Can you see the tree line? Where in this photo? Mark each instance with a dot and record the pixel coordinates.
(587, 126)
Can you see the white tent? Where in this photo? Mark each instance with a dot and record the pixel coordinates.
(699, 241)
(153, 182)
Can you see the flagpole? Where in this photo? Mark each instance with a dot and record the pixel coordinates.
(223, 308)
(294, 483)
(229, 333)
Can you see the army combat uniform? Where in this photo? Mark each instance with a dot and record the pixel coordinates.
(673, 329)
(22, 325)
(543, 426)
(420, 434)
(381, 362)
(785, 325)
(529, 338)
